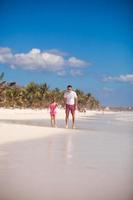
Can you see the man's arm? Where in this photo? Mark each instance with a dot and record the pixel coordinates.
(65, 100)
(76, 102)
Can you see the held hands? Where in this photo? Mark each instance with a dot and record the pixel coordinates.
(75, 107)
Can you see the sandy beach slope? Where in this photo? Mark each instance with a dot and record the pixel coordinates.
(24, 124)
(93, 161)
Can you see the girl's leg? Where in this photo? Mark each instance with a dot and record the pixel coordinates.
(51, 120)
(54, 119)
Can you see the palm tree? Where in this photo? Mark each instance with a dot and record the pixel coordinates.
(39, 96)
(2, 82)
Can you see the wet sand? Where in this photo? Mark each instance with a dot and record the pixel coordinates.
(92, 162)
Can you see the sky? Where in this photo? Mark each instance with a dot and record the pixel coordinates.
(85, 43)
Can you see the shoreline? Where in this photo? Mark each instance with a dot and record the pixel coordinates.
(25, 124)
(93, 161)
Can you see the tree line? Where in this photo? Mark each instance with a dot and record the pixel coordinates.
(35, 95)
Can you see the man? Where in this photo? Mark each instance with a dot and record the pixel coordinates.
(70, 98)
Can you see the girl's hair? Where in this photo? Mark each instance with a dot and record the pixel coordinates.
(53, 99)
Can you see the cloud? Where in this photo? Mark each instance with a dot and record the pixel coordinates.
(107, 90)
(5, 55)
(35, 59)
(52, 60)
(58, 52)
(72, 61)
(74, 72)
(122, 78)
(62, 73)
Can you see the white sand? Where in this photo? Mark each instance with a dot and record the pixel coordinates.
(14, 132)
(39, 162)
(11, 131)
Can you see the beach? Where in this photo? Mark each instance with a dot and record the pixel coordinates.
(92, 162)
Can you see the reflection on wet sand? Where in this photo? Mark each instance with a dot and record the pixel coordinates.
(69, 149)
(65, 146)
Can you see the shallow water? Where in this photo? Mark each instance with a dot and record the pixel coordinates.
(93, 162)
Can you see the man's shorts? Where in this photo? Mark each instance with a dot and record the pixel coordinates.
(70, 108)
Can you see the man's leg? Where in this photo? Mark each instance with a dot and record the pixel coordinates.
(73, 119)
(73, 116)
(67, 116)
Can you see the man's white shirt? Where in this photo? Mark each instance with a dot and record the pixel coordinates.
(70, 97)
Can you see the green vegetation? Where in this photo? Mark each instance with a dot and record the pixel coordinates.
(39, 96)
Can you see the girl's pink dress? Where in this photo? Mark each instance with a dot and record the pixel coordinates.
(53, 108)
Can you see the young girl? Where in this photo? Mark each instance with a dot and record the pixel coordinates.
(53, 111)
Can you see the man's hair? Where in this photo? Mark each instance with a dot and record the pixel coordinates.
(69, 86)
